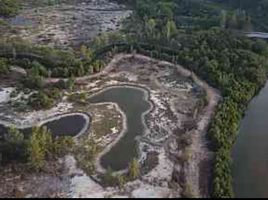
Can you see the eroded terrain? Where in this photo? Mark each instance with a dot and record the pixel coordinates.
(67, 24)
(170, 149)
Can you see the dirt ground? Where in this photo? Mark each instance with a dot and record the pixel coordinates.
(178, 97)
(175, 129)
(67, 24)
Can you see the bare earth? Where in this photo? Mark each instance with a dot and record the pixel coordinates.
(176, 95)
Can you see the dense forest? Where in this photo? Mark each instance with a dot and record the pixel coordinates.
(199, 14)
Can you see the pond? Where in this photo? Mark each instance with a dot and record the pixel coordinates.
(132, 102)
(67, 125)
(250, 154)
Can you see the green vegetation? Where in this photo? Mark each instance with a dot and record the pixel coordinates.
(197, 34)
(4, 67)
(134, 169)
(44, 99)
(42, 146)
(13, 146)
(257, 9)
(237, 66)
(49, 62)
(8, 7)
(36, 149)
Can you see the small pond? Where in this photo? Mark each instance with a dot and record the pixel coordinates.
(69, 125)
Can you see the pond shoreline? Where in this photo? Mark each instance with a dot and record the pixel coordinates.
(146, 97)
(86, 117)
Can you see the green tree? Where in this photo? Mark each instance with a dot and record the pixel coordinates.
(150, 27)
(13, 146)
(14, 136)
(134, 169)
(171, 29)
(121, 181)
(4, 68)
(35, 151)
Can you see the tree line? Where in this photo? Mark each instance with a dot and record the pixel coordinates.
(237, 66)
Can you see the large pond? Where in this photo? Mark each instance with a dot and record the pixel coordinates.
(250, 154)
(132, 102)
(69, 125)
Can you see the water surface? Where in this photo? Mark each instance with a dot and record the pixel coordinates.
(250, 154)
(133, 104)
(70, 125)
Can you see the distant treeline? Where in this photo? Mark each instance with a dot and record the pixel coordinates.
(257, 9)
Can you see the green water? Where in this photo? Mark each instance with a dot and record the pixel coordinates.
(250, 167)
(133, 104)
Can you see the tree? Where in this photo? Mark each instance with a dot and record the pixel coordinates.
(38, 69)
(33, 82)
(14, 136)
(121, 181)
(35, 151)
(223, 19)
(4, 69)
(150, 27)
(232, 21)
(171, 29)
(86, 53)
(70, 83)
(14, 145)
(165, 10)
(40, 100)
(40, 145)
(134, 169)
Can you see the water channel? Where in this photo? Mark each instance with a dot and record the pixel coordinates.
(250, 154)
